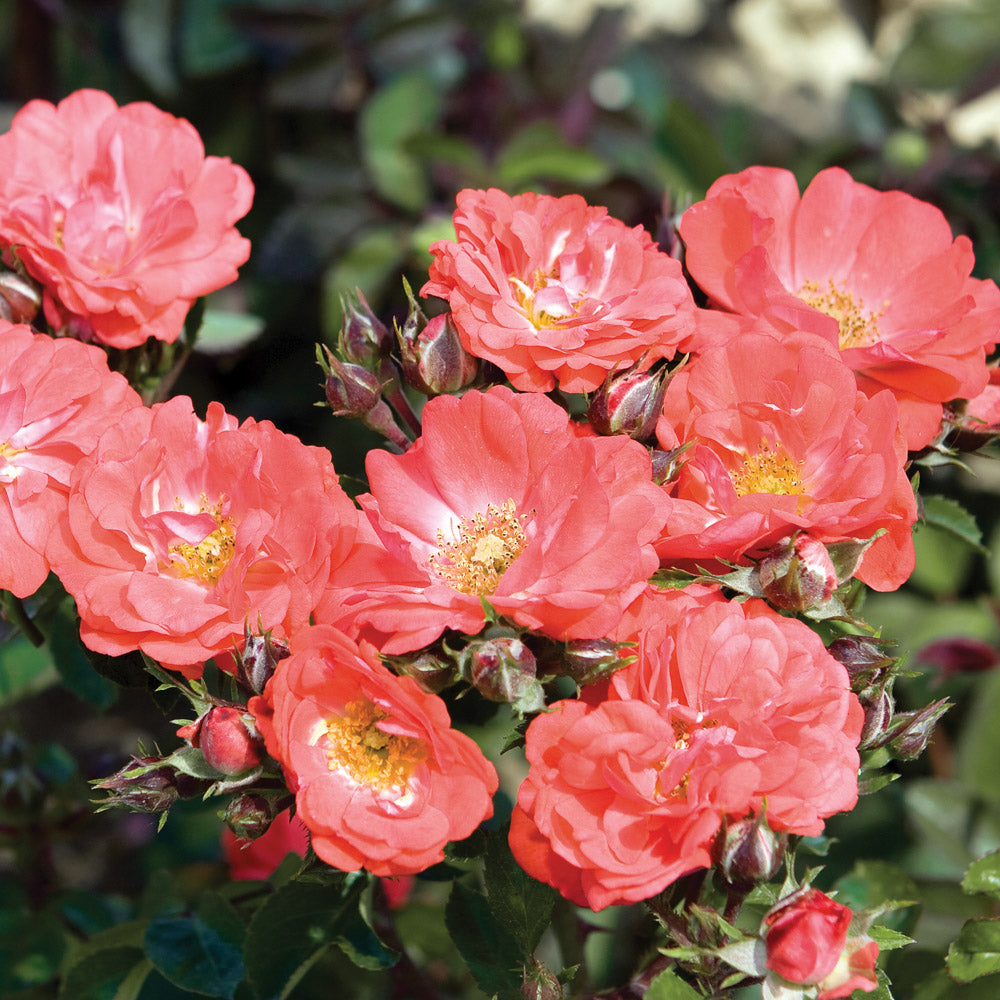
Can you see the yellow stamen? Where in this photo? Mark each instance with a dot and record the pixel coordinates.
(857, 328)
(482, 549)
(526, 299)
(382, 761)
(207, 560)
(768, 472)
(7, 453)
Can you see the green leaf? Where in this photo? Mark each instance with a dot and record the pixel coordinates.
(293, 929)
(210, 43)
(887, 938)
(687, 138)
(190, 760)
(223, 332)
(984, 876)
(200, 953)
(72, 662)
(407, 105)
(520, 903)
(538, 152)
(871, 884)
(99, 974)
(667, 986)
(491, 953)
(147, 28)
(951, 516)
(976, 951)
(25, 670)
(978, 748)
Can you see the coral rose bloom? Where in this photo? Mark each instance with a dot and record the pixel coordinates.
(119, 214)
(553, 290)
(501, 500)
(180, 530)
(381, 779)
(56, 397)
(784, 441)
(876, 273)
(729, 709)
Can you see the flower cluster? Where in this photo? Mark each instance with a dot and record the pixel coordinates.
(505, 541)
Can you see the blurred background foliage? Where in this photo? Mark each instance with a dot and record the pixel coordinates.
(359, 120)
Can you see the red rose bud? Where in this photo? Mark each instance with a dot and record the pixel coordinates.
(797, 575)
(20, 298)
(805, 934)
(504, 669)
(958, 655)
(351, 391)
(249, 816)
(228, 740)
(878, 715)
(434, 360)
(912, 731)
(256, 663)
(864, 659)
(149, 785)
(629, 402)
(364, 338)
(667, 464)
(751, 852)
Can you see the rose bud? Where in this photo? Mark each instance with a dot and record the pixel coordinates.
(229, 740)
(807, 943)
(20, 298)
(864, 659)
(434, 360)
(432, 671)
(629, 402)
(249, 816)
(912, 731)
(878, 715)
(504, 669)
(149, 785)
(259, 657)
(751, 852)
(587, 661)
(364, 338)
(667, 464)
(351, 391)
(797, 574)
(958, 654)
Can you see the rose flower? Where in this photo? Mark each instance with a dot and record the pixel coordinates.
(56, 397)
(782, 441)
(381, 779)
(729, 710)
(500, 499)
(553, 290)
(180, 530)
(878, 274)
(119, 214)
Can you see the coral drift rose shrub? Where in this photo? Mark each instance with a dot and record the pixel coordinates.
(554, 291)
(119, 214)
(56, 397)
(179, 530)
(876, 273)
(784, 441)
(728, 708)
(381, 779)
(500, 499)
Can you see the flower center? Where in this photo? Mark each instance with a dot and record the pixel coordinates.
(369, 756)
(768, 472)
(8, 470)
(206, 560)
(483, 547)
(547, 301)
(857, 327)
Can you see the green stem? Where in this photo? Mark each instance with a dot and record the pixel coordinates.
(15, 612)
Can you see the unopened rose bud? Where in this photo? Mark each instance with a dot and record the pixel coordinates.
(878, 715)
(351, 391)
(912, 731)
(228, 740)
(958, 654)
(432, 671)
(434, 360)
(865, 659)
(260, 655)
(541, 984)
(364, 338)
(751, 852)
(149, 785)
(587, 661)
(504, 669)
(667, 464)
(797, 574)
(629, 402)
(20, 297)
(249, 816)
